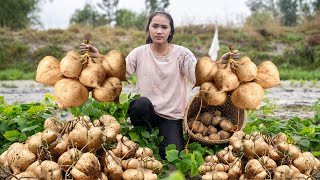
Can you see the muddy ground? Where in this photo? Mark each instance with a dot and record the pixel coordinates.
(293, 98)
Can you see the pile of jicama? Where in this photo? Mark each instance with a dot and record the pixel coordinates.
(212, 126)
(80, 150)
(76, 75)
(260, 157)
(242, 79)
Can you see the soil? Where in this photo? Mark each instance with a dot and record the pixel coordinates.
(292, 98)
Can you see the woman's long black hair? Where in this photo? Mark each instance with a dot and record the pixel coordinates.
(149, 40)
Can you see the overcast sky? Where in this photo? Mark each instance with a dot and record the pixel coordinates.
(56, 14)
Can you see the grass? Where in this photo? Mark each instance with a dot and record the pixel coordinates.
(298, 74)
(16, 74)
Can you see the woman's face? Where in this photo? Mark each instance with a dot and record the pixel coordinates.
(159, 29)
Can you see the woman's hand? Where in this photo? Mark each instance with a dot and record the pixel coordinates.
(230, 55)
(88, 47)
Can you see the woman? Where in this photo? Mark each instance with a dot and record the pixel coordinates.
(162, 71)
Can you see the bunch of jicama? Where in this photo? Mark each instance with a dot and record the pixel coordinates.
(80, 150)
(242, 79)
(212, 126)
(76, 75)
(260, 157)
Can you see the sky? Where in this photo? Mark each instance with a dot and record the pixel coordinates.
(55, 14)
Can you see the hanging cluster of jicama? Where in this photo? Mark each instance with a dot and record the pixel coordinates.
(76, 75)
(260, 157)
(80, 150)
(242, 79)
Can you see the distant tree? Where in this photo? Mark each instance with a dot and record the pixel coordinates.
(110, 8)
(88, 16)
(128, 19)
(289, 12)
(18, 14)
(156, 5)
(263, 6)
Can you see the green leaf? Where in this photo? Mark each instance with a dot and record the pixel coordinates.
(134, 136)
(145, 134)
(171, 147)
(305, 143)
(12, 135)
(308, 131)
(176, 175)
(194, 169)
(184, 165)
(29, 128)
(172, 155)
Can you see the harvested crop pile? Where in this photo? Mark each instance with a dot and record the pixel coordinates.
(241, 79)
(75, 76)
(212, 126)
(79, 149)
(260, 157)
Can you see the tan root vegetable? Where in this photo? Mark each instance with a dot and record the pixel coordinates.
(210, 93)
(214, 137)
(25, 175)
(50, 170)
(70, 93)
(133, 174)
(227, 125)
(115, 65)
(248, 96)
(197, 127)
(235, 170)
(144, 151)
(268, 75)
(110, 127)
(152, 164)
(216, 120)
(224, 134)
(19, 159)
(305, 163)
(212, 159)
(34, 142)
(125, 147)
(94, 139)
(246, 70)
(109, 91)
(111, 165)
(70, 66)
(53, 124)
(206, 118)
(68, 158)
(87, 167)
(268, 163)
(3, 159)
(78, 137)
(226, 80)
(212, 130)
(92, 75)
(73, 54)
(280, 137)
(254, 170)
(48, 71)
(131, 163)
(281, 172)
(205, 70)
(61, 145)
(236, 140)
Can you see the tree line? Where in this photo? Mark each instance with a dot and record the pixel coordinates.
(19, 14)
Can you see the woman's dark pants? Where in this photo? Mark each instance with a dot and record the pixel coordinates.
(142, 113)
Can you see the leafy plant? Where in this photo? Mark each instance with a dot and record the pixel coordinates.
(95, 109)
(304, 133)
(19, 121)
(189, 161)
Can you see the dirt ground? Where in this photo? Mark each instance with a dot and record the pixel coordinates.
(293, 98)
